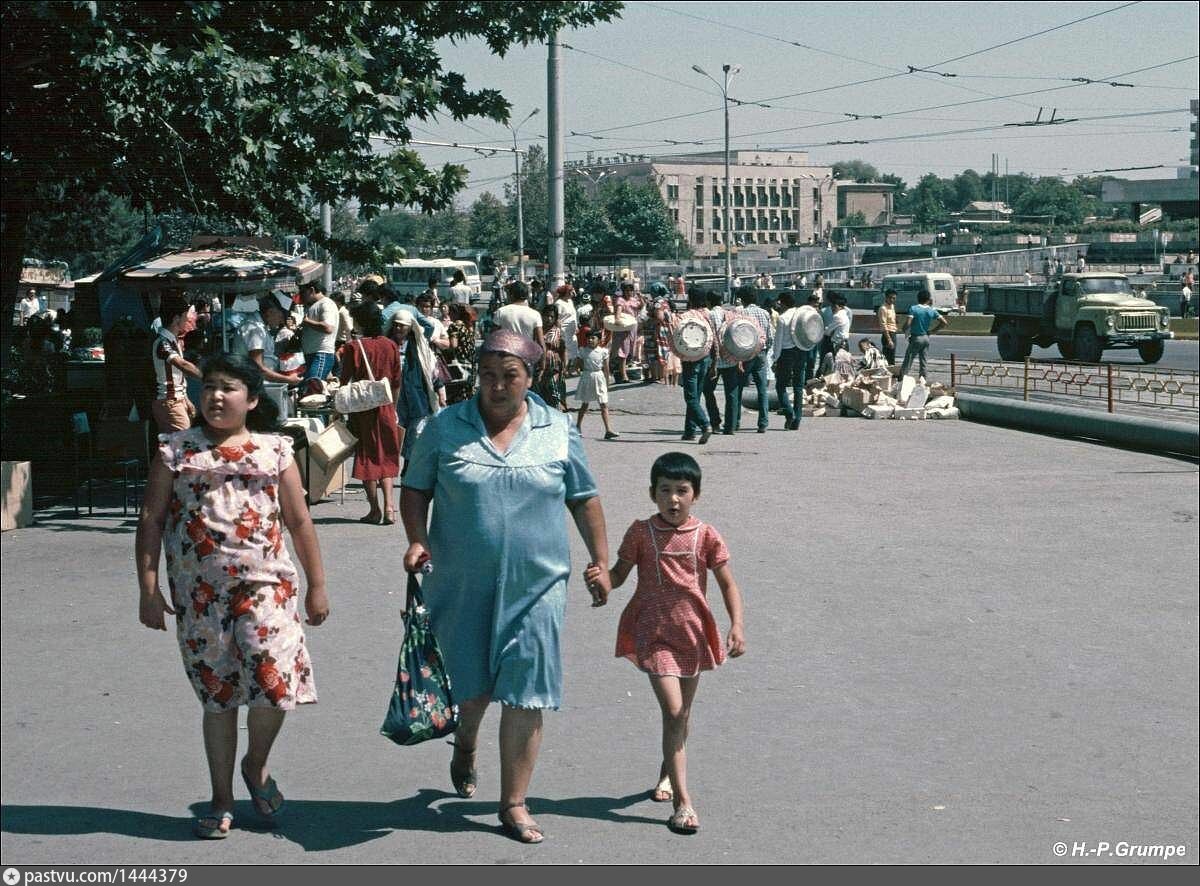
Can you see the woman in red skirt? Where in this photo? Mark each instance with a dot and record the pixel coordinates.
(377, 456)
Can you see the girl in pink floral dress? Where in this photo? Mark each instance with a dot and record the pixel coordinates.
(217, 500)
(667, 629)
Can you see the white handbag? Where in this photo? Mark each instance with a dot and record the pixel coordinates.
(364, 394)
(332, 446)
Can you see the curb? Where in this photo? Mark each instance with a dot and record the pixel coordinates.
(1147, 434)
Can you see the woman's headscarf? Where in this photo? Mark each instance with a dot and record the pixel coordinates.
(419, 347)
(513, 344)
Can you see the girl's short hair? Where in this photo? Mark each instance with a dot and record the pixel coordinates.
(264, 416)
(676, 466)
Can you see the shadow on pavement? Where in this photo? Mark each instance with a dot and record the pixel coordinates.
(61, 523)
(314, 825)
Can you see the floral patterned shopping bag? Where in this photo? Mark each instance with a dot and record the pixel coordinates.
(422, 706)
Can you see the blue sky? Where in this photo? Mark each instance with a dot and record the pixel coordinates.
(619, 77)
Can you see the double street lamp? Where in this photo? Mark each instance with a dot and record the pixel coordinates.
(730, 71)
(520, 210)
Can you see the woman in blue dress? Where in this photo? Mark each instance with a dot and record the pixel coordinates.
(417, 396)
(498, 470)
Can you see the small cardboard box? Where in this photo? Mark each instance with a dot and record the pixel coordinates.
(18, 495)
(879, 410)
(903, 413)
(857, 398)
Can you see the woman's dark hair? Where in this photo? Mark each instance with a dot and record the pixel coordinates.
(698, 298)
(462, 313)
(265, 415)
(368, 319)
(459, 276)
(676, 466)
(786, 301)
(550, 309)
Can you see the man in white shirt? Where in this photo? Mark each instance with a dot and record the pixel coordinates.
(29, 307)
(460, 292)
(318, 331)
(255, 337)
(837, 324)
(517, 316)
(791, 364)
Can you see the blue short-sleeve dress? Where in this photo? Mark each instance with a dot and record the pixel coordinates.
(499, 547)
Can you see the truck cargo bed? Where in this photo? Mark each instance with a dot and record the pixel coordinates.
(1014, 301)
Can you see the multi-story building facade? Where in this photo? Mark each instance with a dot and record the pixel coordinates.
(776, 198)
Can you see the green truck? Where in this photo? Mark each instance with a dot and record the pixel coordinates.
(1084, 314)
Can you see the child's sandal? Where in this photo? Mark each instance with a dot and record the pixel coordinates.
(662, 792)
(684, 821)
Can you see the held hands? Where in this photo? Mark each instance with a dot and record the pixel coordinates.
(599, 584)
(151, 611)
(316, 604)
(735, 642)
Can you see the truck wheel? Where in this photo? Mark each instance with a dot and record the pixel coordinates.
(1067, 350)
(1151, 351)
(1008, 342)
(1089, 347)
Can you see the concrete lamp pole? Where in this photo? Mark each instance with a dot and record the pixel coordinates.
(520, 208)
(730, 71)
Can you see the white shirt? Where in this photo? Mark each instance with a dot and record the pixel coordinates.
(439, 328)
(518, 318)
(783, 334)
(253, 335)
(567, 317)
(316, 341)
(30, 305)
(460, 293)
(838, 325)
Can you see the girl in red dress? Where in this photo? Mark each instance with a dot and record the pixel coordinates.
(667, 629)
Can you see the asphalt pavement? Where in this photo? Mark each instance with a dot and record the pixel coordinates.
(965, 644)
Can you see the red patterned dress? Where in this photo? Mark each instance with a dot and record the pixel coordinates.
(232, 581)
(668, 629)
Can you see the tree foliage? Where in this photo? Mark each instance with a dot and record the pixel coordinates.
(490, 227)
(251, 111)
(855, 170)
(639, 220)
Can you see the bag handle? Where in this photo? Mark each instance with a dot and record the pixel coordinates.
(413, 596)
(366, 362)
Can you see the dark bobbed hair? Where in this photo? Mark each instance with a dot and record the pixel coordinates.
(748, 294)
(675, 466)
(459, 276)
(923, 296)
(714, 299)
(265, 415)
(516, 291)
(462, 313)
(786, 300)
(368, 319)
(369, 288)
(170, 306)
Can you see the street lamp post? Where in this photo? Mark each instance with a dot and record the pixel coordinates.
(730, 71)
(520, 209)
(594, 179)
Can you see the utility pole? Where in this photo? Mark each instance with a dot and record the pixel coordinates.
(554, 157)
(725, 198)
(327, 230)
(520, 208)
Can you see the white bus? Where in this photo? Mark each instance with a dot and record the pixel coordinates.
(411, 276)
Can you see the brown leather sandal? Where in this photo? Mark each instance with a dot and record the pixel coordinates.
(464, 783)
(528, 832)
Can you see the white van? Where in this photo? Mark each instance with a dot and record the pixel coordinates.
(939, 284)
(411, 276)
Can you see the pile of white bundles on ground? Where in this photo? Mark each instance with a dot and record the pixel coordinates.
(878, 394)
